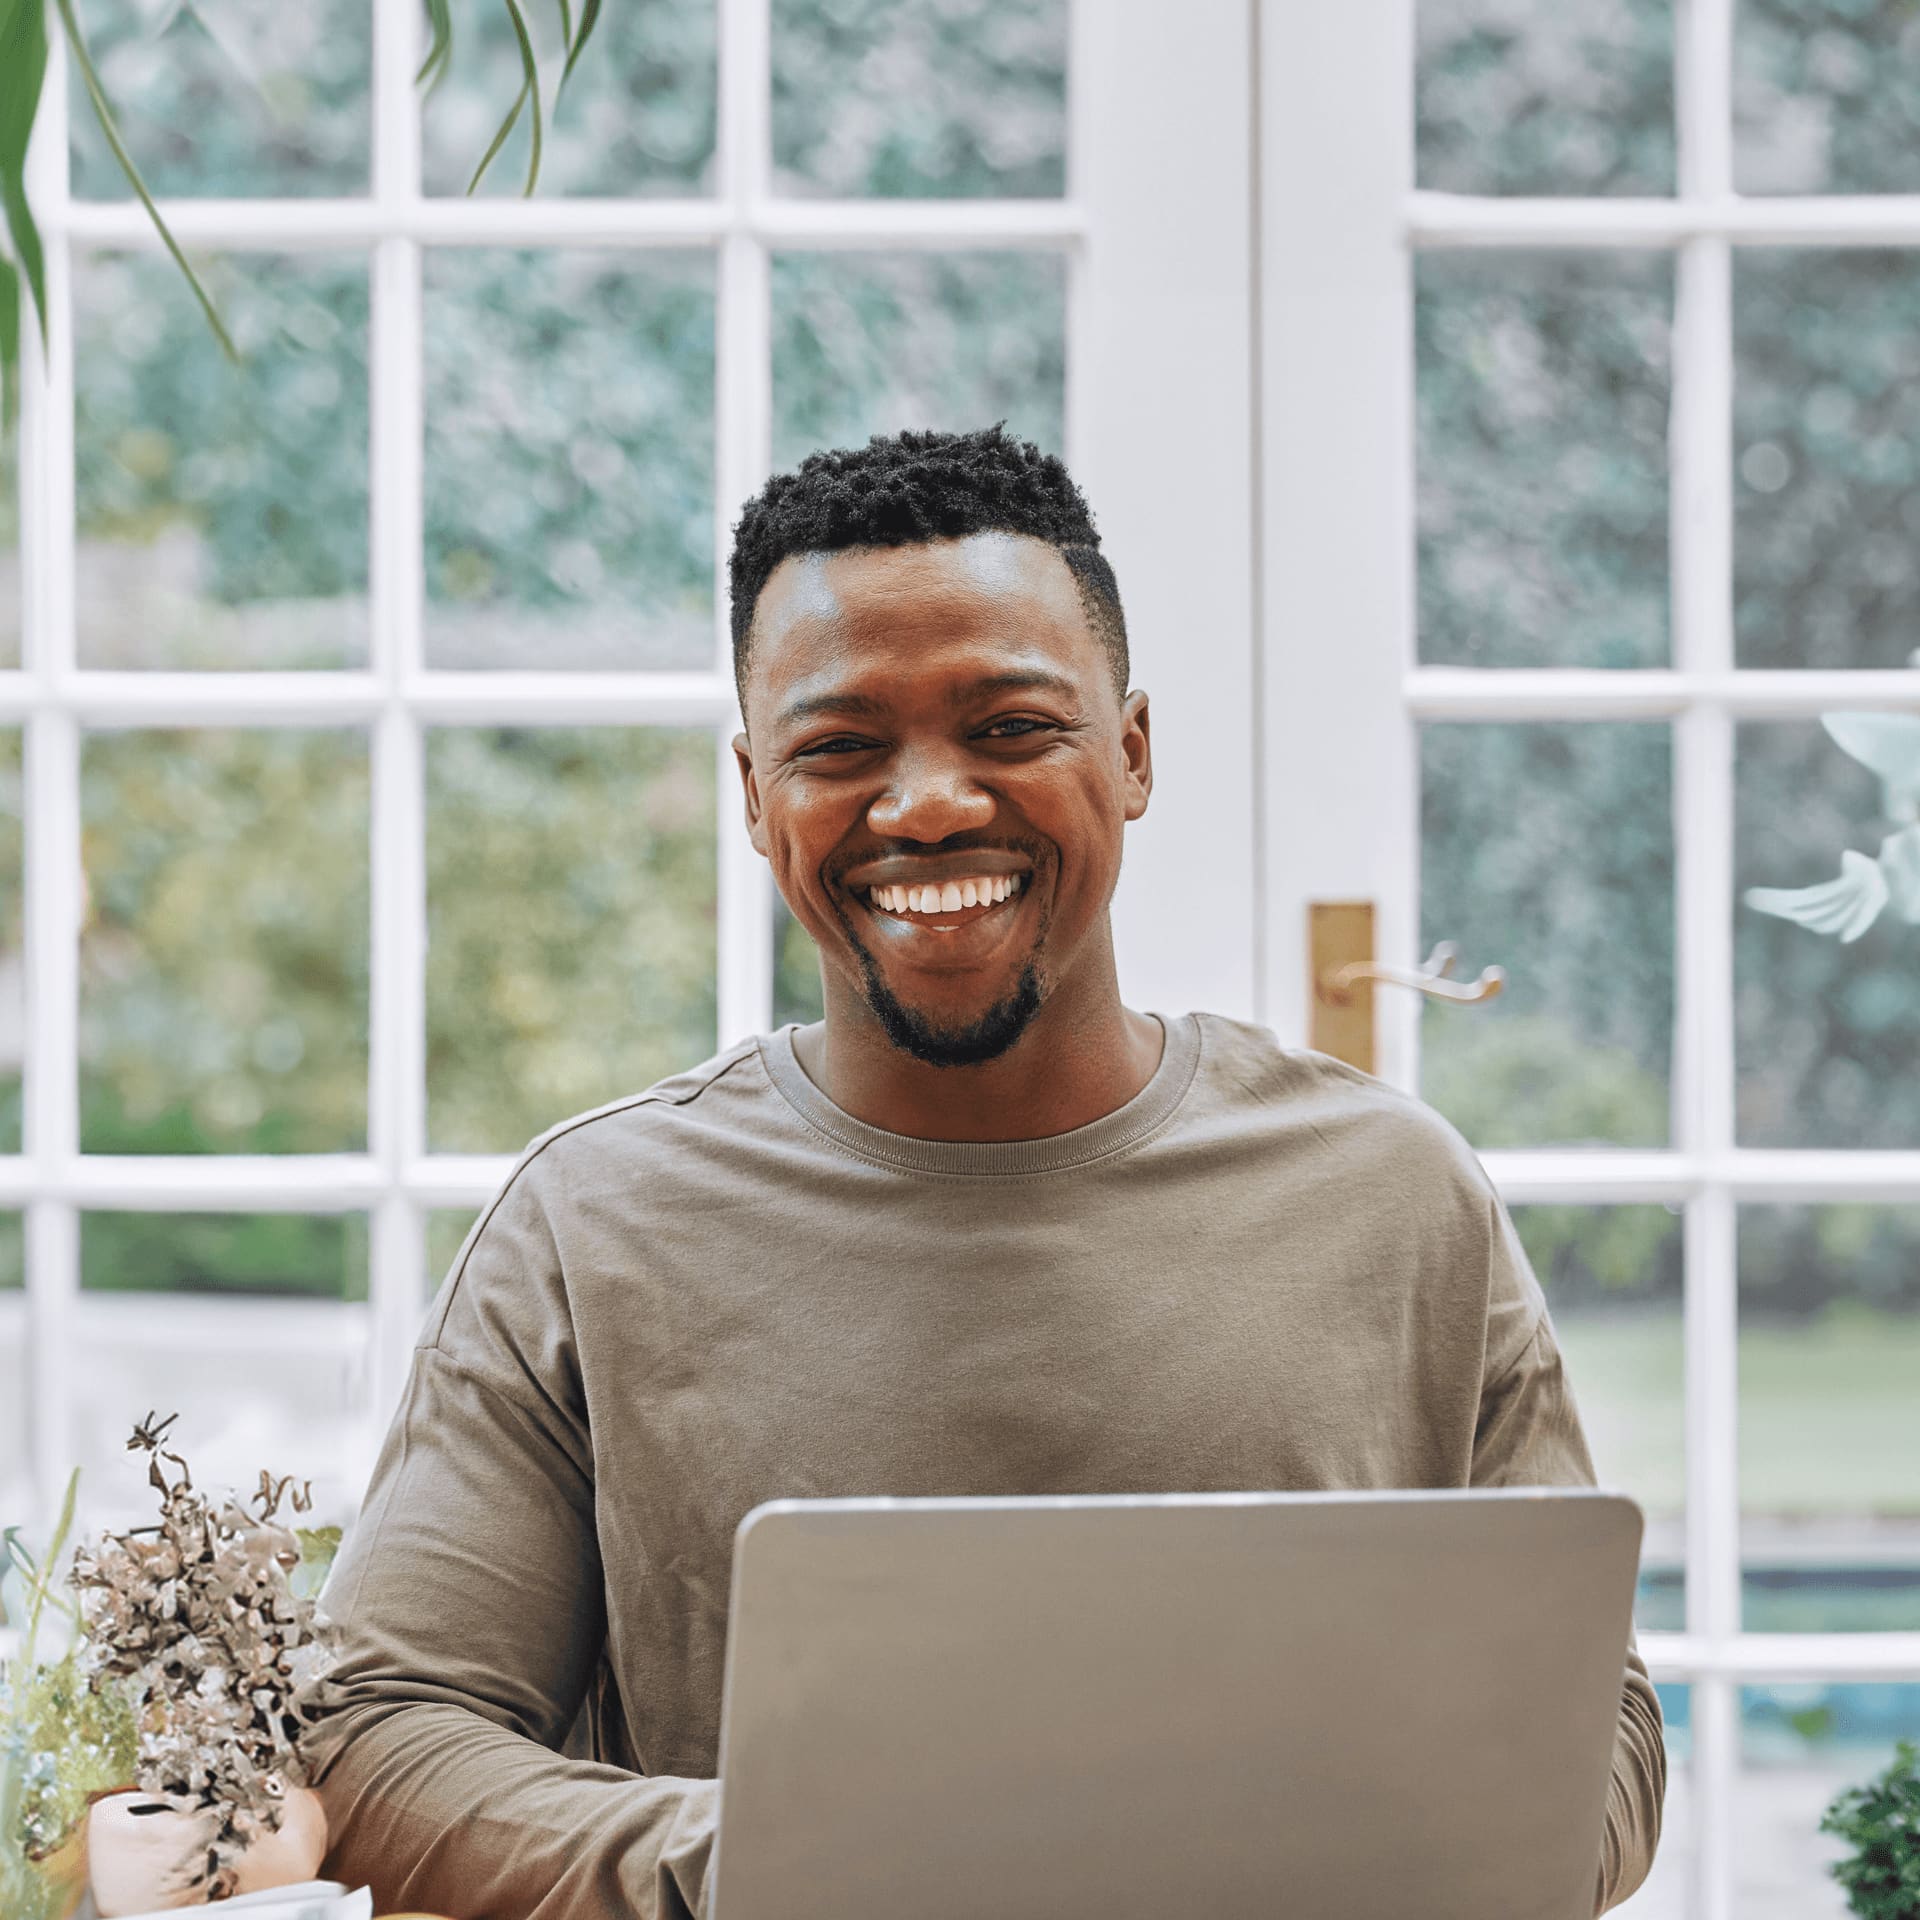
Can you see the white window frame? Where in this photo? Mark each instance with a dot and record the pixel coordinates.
(1342, 223)
(1157, 239)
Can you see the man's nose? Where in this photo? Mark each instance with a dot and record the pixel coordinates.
(932, 793)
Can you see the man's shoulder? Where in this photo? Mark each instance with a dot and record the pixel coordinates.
(1353, 1113)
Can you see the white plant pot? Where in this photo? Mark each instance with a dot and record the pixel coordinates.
(144, 1856)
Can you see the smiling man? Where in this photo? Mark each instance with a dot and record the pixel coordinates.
(983, 1229)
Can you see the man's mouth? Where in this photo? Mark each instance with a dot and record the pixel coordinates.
(940, 905)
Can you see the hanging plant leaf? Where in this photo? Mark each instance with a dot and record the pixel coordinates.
(103, 112)
(433, 69)
(589, 18)
(529, 90)
(23, 70)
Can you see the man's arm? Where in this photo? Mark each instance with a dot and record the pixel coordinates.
(1529, 1435)
(470, 1602)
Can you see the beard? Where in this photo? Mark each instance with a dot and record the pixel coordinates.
(966, 1045)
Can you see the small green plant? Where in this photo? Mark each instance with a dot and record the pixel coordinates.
(63, 1737)
(1881, 1822)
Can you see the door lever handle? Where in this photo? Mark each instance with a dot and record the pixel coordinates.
(1336, 986)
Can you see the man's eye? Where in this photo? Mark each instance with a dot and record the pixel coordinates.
(839, 744)
(1023, 721)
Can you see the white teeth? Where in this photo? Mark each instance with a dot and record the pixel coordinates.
(969, 894)
(1000, 888)
(950, 896)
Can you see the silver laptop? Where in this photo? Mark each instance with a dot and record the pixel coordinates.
(1322, 1706)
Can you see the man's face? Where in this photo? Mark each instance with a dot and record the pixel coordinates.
(927, 717)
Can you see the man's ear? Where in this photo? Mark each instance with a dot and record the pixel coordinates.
(743, 756)
(1136, 752)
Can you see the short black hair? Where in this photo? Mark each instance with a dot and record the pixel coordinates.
(904, 488)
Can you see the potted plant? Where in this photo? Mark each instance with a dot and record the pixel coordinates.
(1881, 1822)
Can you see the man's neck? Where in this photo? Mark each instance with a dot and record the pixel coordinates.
(1072, 1066)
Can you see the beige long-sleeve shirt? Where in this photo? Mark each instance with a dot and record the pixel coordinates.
(1267, 1270)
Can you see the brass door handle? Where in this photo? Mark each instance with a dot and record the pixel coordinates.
(1337, 984)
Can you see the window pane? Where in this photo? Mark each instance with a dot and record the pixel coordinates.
(1612, 1277)
(1515, 97)
(1548, 850)
(601, 978)
(920, 99)
(797, 992)
(228, 101)
(1830, 1418)
(1827, 1030)
(222, 507)
(313, 1256)
(1542, 386)
(223, 963)
(872, 343)
(16, 1402)
(1665, 1893)
(569, 459)
(13, 934)
(257, 1384)
(1826, 436)
(1801, 1745)
(1826, 97)
(10, 583)
(637, 116)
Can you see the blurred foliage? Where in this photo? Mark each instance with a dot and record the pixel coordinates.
(1879, 1821)
(1542, 395)
(601, 977)
(1826, 96)
(309, 1256)
(447, 1229)
(569, 458)
(798, 993)
(867, 343)
(222, 509)
(1515, 97)
(1585, 1256)
(223, 962)
(227, 98)
(1827, 440)
(1800, 1261)
(637, 117)
(9, 551)
(13, 1252)
(1547, 848)
(948, 98)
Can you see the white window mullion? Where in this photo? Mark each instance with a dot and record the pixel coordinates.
(1701, 532)
(396, 1062)
(743, 451)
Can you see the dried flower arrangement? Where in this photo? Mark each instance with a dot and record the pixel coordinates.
(208, 1620)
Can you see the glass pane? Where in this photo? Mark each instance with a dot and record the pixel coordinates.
(447, 1230)
(1826, 1029)
(1826, 97)
(1830, 1418)
(256, 1383)
(868, 343)
(569, 459)
(13, 933)
(1826, 435)
(10, 583)
(222, 506)
(637, 116)
(920, 99)
(1515, 97)
(1800, 1746)
(796, 970)
(313, 1256)
(1612, 1277)
(1542, 387)
(1665, 1893)
(1547, 849)
(601, 978)
(227, 100)
(223, 962)
(16, 1405)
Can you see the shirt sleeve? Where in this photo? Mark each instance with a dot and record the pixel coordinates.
(1529, 1435)
(470, 1607)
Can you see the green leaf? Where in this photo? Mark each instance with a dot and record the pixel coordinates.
(103, 112)
(23, 70)
(433, 69)
(589, 18)
(566, 23)
(530, 88)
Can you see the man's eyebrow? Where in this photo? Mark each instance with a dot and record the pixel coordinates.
(865, 706)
